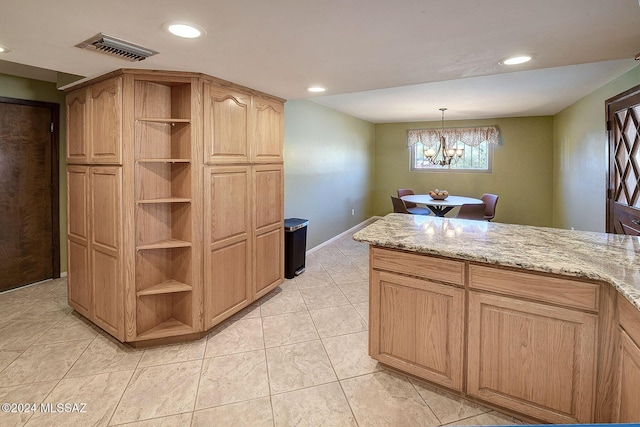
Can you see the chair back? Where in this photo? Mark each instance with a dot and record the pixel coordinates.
(407, 192)
(398, 205)
(490, 201)
(472, 212)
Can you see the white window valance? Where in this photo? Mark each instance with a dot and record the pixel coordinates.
(468, 136)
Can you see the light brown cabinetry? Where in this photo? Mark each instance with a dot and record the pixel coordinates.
(417, 323)
(94, 123)
(522, 341)
(95, 245)
(627, 372)
(178, 220)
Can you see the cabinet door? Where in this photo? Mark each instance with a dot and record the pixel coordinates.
(627, 409)
(268, 131)
(78, 280)
(417, 326)
(536, 359)
(106, 248)
(105, 111)
(77, 126)
(226, 119)
(268, 265)
(227, 242)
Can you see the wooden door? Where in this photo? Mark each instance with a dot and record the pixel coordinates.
(29, 229)
(80, 295)
(623, 195)
(105, 115)
(536, 359)
(105, 209)
(227, 242)
(417, 326)
(77, 126)
(268, 264)
(268, 131)
(226, 121)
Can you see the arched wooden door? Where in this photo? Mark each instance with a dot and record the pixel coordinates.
(623, 187)
(29, 228)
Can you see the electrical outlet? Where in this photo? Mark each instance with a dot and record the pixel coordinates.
(353, 212)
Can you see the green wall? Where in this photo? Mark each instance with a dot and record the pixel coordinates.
(328, 165)
(522, 173)
(36, 90)
(580, 167)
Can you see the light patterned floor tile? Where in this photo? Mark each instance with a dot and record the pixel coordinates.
(297, 366)
(363, 310)
(159, 391)
(8, 356)
(356, 292)
(448, 407)
(340, 320)
(21, 394)
(490, 419)
(104, 355)
(384, 399)
(349, 355)
(323, 405)
(235, 337)
(281, 302)
(254, 413)
(96, 398)
(180, 420)
(175, 353)
(70, 328)
(233, 378)
(346, 275)
(288, 329)
(43, 363)
(323, 296)
(312, 279)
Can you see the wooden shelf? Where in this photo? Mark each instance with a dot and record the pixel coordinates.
(165, 200)
(166, 329)
(163, 161)
(162, 120)
(168, 287)
(165, 244)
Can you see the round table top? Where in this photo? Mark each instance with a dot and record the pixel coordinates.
(425, 199)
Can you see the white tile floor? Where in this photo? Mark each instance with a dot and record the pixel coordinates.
(298, 357)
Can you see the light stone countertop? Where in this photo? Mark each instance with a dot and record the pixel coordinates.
(610, 258)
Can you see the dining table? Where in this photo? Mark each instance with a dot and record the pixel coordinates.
(441, 207)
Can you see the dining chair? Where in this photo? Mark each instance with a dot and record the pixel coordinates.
(398, 205)
(490, 200)
(472, 212)
(412, 207)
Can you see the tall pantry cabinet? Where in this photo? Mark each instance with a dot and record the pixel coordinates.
(175, 202)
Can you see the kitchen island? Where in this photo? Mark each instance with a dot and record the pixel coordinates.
(542, 322)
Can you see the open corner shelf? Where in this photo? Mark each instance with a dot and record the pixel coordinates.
(164, 200)
(168, 328)
(162, 120)
(160, 160)
(167, 287)
(165, 244)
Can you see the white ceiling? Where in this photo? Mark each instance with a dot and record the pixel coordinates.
(383, 61)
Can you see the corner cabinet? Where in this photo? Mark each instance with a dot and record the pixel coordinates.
(162, 246)
(627, 366)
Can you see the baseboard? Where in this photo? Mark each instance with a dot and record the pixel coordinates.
(63, 274)
(344, 233)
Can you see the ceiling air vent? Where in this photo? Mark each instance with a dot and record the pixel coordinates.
(115, 47)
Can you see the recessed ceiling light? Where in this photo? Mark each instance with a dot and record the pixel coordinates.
(515, 60)
(316, 89)
(4, 49)
(187, 31)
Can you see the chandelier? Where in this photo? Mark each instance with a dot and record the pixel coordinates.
(441, 155)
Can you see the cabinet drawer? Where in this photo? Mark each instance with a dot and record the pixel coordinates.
(555, 290)
(629, 318)
(418, 265)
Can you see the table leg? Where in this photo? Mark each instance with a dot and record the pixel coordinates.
(440, 210)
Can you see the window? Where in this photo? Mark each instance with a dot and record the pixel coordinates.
(474, 159)
(472, 147)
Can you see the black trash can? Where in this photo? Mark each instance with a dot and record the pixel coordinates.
(295, 246)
